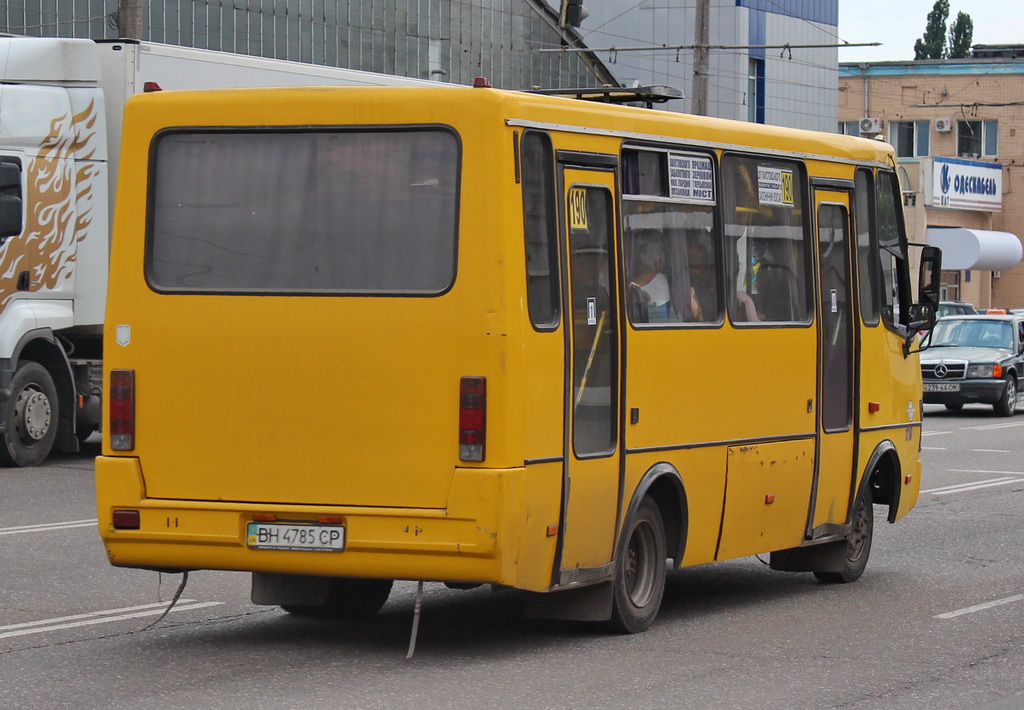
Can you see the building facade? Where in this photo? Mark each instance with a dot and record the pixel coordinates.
(445, 40)
(752, 78)
(958, 129)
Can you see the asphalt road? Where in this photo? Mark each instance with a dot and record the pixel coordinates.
(937, 621)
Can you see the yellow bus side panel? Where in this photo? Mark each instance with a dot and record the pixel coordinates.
(766, 497)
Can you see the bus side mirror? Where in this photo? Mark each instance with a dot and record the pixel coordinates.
(930, 277)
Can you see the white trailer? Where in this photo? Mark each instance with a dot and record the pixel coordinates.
(61, 108)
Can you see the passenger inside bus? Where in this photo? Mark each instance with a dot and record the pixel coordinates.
(649, 278)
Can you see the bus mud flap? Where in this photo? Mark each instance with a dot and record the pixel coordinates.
(826, 557)
(590, 603)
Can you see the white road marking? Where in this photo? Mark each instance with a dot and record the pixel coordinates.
(979, 470)
(44, 527)
(98, 617)
(971, 486)
(992, 451)
(936, 433)
(1008, 425)
(980, 607)
(933, 448)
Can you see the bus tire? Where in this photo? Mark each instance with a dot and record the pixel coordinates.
(858, 544)
(348, 598)
(639, 571)
(32, 417)
(1007, 403)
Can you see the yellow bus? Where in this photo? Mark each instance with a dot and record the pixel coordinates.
(487, 337)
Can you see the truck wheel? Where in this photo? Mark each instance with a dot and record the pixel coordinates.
(348, 599)
(32, 416)
(858, 544)
(1007, 403)
(639, 571)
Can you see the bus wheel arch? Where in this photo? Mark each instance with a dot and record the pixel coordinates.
(882, 478)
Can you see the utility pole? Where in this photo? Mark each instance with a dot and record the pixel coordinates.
(129, 19)
(701, 63)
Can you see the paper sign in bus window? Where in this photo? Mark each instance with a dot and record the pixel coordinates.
(774, 186)
(691, 178)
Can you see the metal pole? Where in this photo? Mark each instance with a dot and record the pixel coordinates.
(701, 65)
(129, 19)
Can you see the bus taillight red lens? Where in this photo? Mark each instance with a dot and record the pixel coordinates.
(122, 410)
(472, 418)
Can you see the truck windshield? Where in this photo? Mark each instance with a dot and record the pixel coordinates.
(300, 211)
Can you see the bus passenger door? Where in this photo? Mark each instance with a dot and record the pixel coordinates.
(590, 486)
(835, 474)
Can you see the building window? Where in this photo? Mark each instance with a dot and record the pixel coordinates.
(910, 138)
(755, 90)
(849, 128)
(977, 139)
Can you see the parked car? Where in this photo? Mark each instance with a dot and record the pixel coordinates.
(954, 308)
(975, 359)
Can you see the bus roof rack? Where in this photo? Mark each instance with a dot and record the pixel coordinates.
(655, 94)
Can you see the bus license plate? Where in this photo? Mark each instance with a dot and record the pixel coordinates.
(941, 386)
(283, 536)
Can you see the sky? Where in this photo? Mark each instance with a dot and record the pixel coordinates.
(898, 23)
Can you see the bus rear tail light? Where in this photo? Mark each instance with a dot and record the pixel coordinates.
(127, 520)
(472, 418)
(122, 410)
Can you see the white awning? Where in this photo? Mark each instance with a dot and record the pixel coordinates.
(979, 249)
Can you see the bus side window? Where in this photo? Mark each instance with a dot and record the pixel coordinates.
(895, 297)
(870, 273)
(765, 240)
(539, 227)
(670, 252)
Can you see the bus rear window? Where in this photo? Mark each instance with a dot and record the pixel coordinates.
(304, 211)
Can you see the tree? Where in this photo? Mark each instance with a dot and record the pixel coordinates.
(961, 35)
(933, 44)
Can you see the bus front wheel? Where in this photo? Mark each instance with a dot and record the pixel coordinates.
(639, 571)
(31, 417)
(348, 599)
(858, 544)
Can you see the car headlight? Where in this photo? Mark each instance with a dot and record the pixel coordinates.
(985, 371)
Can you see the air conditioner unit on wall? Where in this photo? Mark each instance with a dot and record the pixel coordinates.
(943, 125)
(870, 125)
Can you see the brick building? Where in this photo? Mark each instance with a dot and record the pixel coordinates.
(958, 129)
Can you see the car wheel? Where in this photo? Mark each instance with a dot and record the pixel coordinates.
(1007, 403)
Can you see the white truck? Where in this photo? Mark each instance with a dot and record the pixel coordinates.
(61, 108)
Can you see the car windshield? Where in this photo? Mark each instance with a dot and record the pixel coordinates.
(973, 333)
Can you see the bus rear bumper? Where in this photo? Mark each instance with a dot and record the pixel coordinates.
(476, 538)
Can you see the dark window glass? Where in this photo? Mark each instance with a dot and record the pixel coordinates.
(765, 240)
(595, 335)
(867, 248)
(836, 318)
(304, 211)
(895, 286)
(540, 223)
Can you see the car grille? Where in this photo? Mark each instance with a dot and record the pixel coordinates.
(944, 370)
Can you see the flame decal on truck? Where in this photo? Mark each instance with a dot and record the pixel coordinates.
(60, 200)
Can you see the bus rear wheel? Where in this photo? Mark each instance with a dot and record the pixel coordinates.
(32, 416)
(858, 544)
(348, 598)
(639, 571)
